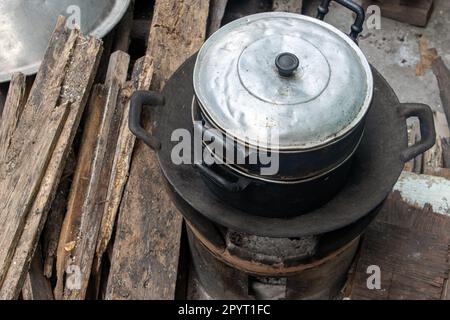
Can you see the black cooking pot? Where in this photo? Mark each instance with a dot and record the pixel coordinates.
(309, 175)
(284, 84)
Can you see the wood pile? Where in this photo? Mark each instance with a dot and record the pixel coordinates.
(77, 218)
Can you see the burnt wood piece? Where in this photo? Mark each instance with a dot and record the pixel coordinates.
(216, 13)
(81, 225)
(409, 241)
(36, 286)
(414, 12)
(61, 86)
(147, 243)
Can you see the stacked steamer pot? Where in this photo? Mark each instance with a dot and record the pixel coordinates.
(281, 99)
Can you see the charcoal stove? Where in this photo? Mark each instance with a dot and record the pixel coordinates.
(242, 253)
(303, 257)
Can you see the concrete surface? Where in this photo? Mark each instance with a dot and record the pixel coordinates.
(394, 49)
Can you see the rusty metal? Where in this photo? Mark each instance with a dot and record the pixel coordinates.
(219, 274)
(254, 267)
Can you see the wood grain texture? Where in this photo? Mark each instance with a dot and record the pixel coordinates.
(23, 168)
(120, 167)
(72, 220)
(13, 108)
(82, 223)
(72, 90)
(409, 241)
(147, 242)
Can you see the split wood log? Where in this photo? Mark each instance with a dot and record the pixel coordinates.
(147, 242)
(64, 81)
(121, 164)
(80, 183)
(288, 5)
(216, 13)
(36, 286)
(81, 226)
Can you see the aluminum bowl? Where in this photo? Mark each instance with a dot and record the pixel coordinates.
(26, 27)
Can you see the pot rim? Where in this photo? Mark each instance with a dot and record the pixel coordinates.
(247, 175)
(245, 144)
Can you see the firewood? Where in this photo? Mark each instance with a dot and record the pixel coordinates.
(147, 242)
(119, 170)
(62, 83)
(87, 197)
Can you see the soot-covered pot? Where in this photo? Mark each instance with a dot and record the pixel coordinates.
(286, 88)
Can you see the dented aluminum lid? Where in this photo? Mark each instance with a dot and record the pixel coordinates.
(283, 80)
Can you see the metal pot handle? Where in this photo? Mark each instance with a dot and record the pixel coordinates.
(138, 100)
(427, 129)
(222, 182)
(357, 27)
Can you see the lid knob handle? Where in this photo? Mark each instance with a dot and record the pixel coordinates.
(286, 64)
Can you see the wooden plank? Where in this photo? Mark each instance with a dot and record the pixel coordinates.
(36, 286)
(216, 13)
(82, 223)
(147, 242)
(13, 108)
(409, 241)
(288, 5)
(119, 170)
(414, 12)
(72, 220)
(73, 89)
(24, 166)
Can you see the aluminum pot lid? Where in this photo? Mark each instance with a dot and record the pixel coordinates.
(283, 80)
